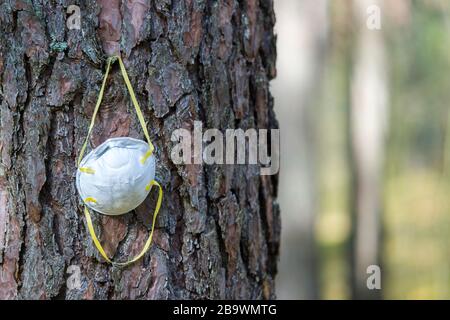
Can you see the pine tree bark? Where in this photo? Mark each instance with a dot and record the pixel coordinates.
(217, 234)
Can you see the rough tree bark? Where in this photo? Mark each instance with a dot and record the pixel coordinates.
(217, 235)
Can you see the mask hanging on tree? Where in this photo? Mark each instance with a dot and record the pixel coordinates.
(118, 175)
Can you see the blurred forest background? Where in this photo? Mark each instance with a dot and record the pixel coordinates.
(365, 148)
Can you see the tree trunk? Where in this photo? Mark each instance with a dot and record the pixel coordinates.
(296, 91)
(368, 119)
(217, 234)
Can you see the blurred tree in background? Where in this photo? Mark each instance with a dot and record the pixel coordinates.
(394, 158)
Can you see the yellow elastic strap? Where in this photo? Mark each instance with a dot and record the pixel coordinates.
(146, 156)
(90, 199)
(147, 244)
(133, 99)
(135, 103)
(87, 170)
(97, 106)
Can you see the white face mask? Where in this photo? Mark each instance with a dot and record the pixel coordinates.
(115, 180)
(117, 176)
